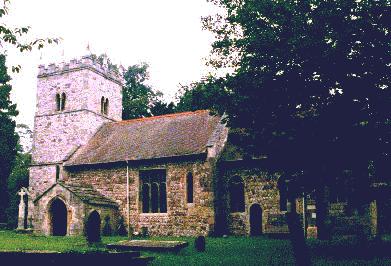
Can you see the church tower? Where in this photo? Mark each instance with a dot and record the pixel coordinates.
(74, 99)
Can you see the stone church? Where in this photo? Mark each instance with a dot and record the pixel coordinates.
(157, 174)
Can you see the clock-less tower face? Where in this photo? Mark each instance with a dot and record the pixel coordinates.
(73, 101)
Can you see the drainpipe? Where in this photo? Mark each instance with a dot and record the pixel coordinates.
(127, 196)
(304, 216)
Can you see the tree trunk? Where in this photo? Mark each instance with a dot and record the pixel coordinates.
(300, 250)
(321, 213)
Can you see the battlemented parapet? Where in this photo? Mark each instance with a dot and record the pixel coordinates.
(86, 62)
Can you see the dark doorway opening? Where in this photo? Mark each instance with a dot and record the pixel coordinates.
(255, 220)
(93, 227)
(59, 219)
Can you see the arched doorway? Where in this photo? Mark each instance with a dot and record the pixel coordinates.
(93, 227)
(255, 220)
(59, 219)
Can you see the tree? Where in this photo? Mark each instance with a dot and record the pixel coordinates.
(13, 38)
(8, 137)
(19, 178)
(25, 137)
(16, 37)
(138, 98)
(103, 59)
(310, 86)
(205, 94)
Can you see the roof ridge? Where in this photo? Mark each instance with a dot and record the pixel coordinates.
(159, 116)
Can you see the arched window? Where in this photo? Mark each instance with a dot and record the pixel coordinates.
(57, 172)
(58, 102)
(102, 102)
(106, 107)
(155, 197)
(63, 100)
(236, 194)
(283, 193)
(145, 197)
(163, 197)
(189, 187)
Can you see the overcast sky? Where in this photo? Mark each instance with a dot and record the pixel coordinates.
(165, 34)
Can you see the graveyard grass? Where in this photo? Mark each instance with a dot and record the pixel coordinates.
(219, 251)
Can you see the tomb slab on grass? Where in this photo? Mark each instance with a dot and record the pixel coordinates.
(150, 245)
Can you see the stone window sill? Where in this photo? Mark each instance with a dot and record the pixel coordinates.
(154, 214)
(237, 213)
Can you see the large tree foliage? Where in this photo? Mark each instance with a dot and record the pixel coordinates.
(139, 99)
(310, 86)
(205, 94)
(8, 137)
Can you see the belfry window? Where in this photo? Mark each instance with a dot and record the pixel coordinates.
(236, 194)
(102, 102)
(282, 187)
(60, 101)
(153, 195)
(63, 100)
(57, 172)
(189, 188)
(104, 106)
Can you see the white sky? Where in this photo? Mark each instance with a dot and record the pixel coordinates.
(165, 34)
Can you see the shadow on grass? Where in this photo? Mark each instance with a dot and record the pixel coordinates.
(352, 248)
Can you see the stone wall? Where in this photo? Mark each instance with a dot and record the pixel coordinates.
(77, 212)
(260, 188)
(41, 178)
(57, 136)
(182, 218)
(99, 87)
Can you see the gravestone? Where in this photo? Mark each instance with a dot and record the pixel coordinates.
(200, 243)
(107, 231)
(144, 231)
(121, 230)
(93, 228)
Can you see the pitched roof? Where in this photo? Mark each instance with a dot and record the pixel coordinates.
(85, 193)
(149, 138)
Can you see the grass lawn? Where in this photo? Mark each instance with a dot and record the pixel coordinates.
(219, 251)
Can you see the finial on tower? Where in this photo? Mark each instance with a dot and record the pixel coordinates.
(88, 48)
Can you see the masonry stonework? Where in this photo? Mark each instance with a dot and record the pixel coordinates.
(260, 188)
(58, 134)
(181, 218)
(77, 212)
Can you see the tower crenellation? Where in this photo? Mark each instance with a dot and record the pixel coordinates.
(86, 62)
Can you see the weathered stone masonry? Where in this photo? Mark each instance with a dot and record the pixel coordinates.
(260, 188)
(182, 218)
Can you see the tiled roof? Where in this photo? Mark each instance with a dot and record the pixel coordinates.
(85, 193)
(149, 138)
(88, 194)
